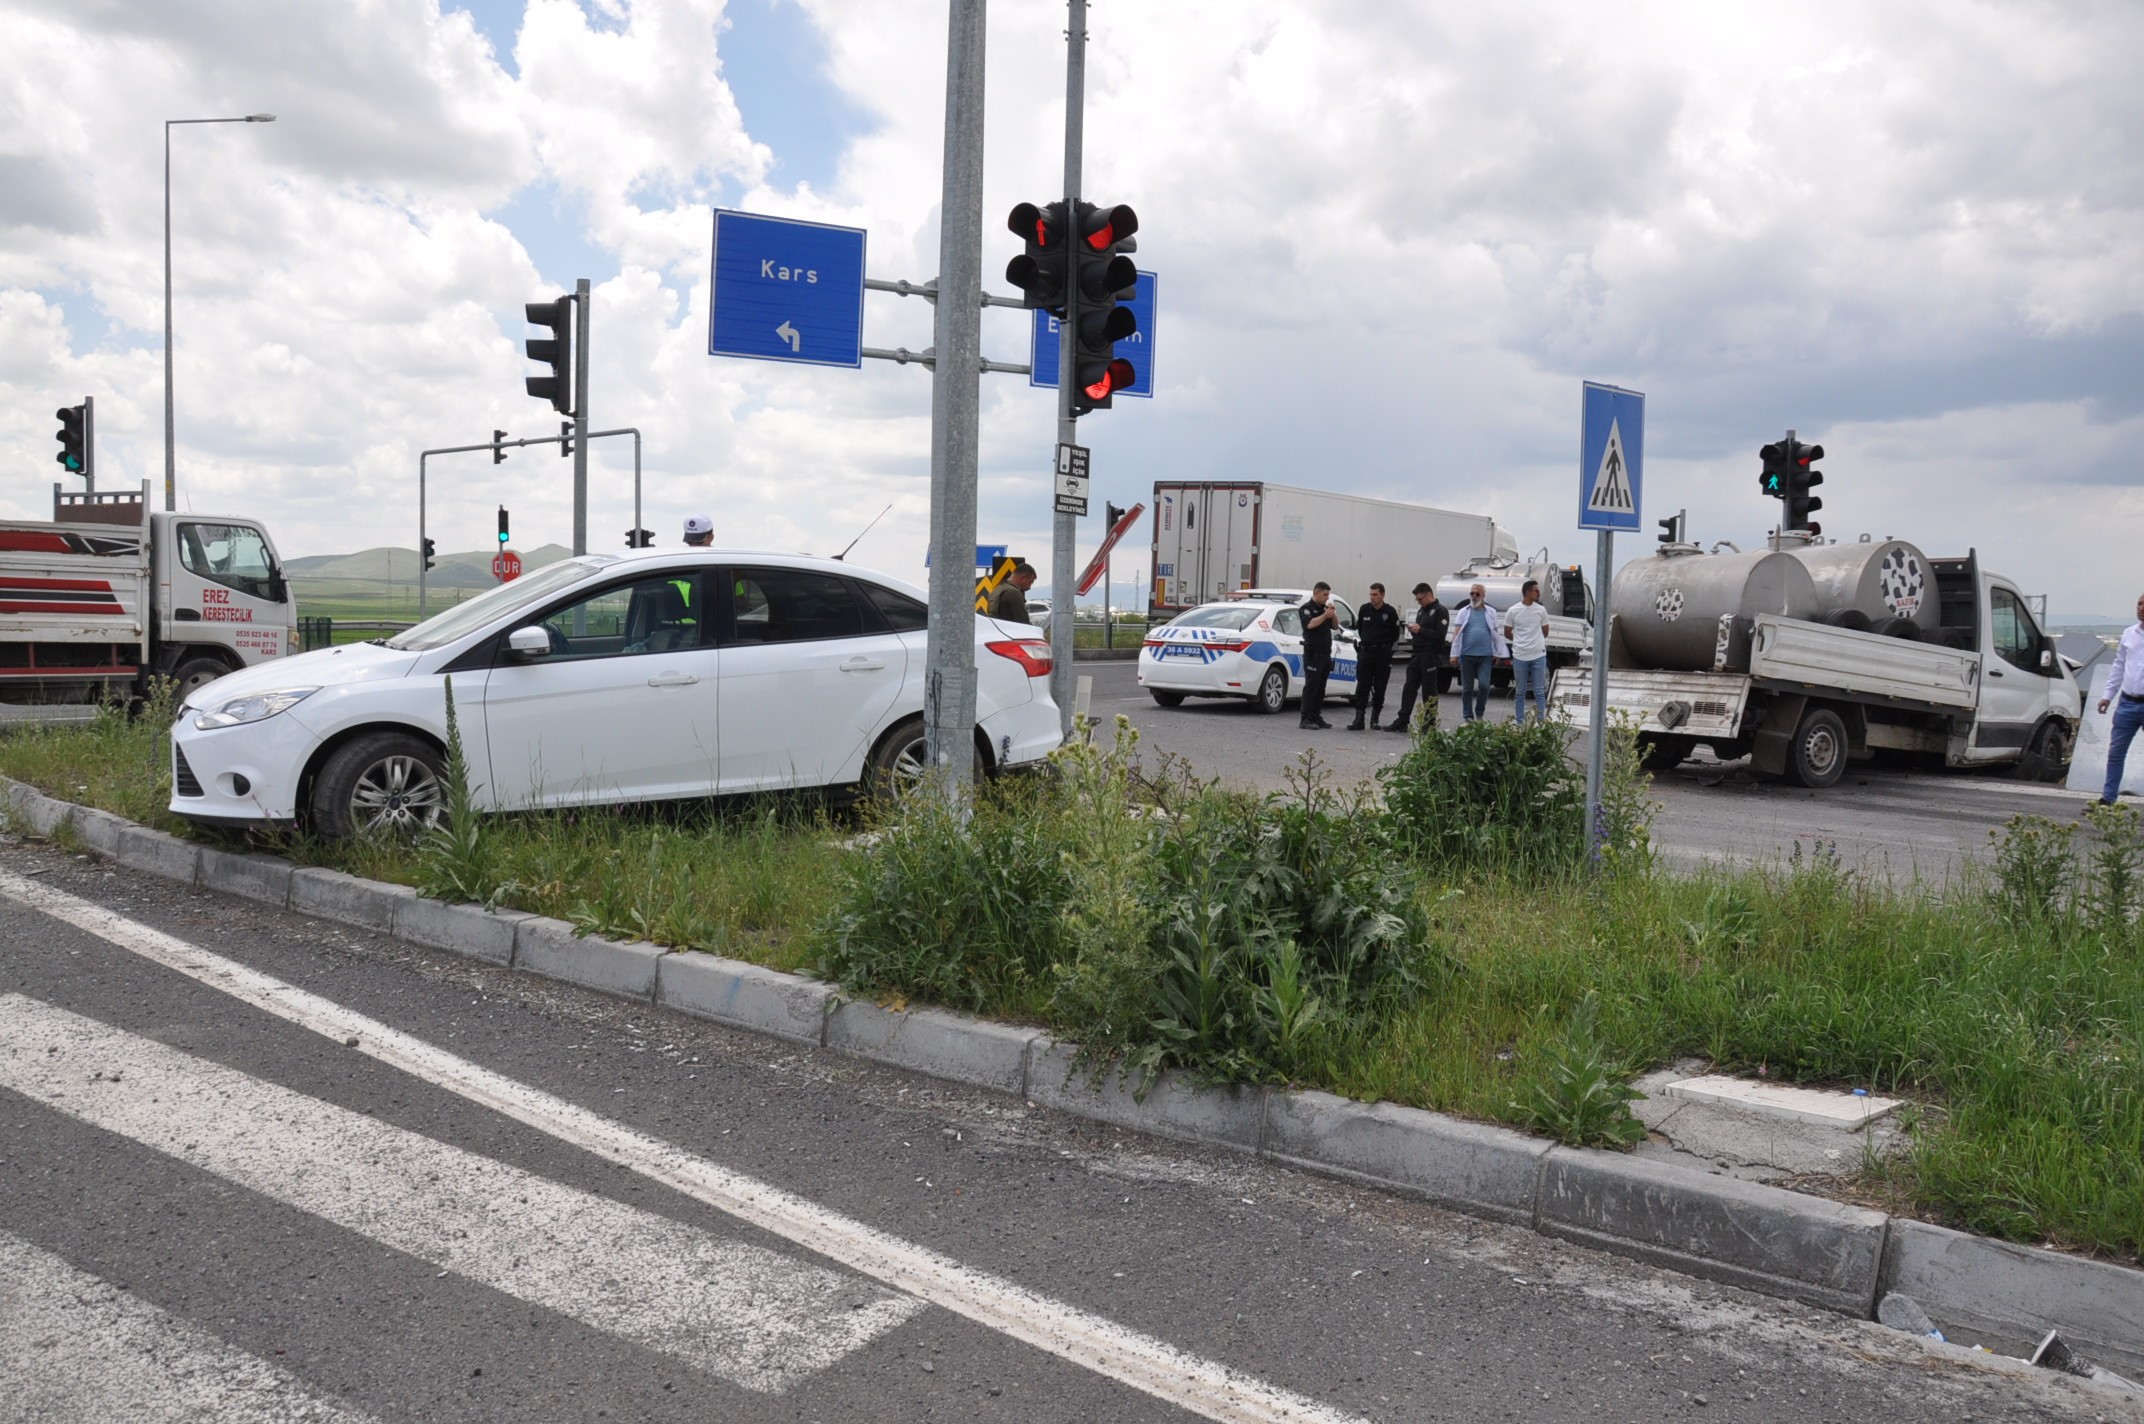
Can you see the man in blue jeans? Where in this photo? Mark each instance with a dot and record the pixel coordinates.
(1526, 625)
(1476, 645)
(2125, 681)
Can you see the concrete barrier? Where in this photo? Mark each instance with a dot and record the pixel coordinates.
(98, 830)
(460, 929)
(550, 947)
(728, 991)
(944, 1045)
(1172, 1106)
(1721, 1228)
(1481, 1170)
(155, 853)
(253, 877)
(332, 895)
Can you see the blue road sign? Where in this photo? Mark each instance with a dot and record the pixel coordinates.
(786, 290)
(1611, 458)
(1045, 345)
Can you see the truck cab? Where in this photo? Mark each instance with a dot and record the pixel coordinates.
(221, 601)
(2029, 704)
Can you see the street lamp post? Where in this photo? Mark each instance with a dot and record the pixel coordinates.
(171, 478)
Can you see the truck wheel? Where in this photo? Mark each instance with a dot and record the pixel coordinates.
(382, 783)
(1166, 699)
(193, 674)
(2048, 758)
(1272, 692)
(1818, 757)
(1663, 753)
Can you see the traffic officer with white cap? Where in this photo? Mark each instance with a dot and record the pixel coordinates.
(699, 531)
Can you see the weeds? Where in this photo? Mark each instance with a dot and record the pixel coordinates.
(1577, 1096)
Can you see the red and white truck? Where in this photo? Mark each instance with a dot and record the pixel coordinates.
(110, 594)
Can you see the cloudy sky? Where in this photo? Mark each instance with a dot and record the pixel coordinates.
(1393, 236)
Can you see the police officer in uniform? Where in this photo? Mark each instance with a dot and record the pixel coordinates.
(1320, 616)
(1431, 630)
(1377, 625)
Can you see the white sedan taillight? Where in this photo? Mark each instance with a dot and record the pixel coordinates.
(1032, 654)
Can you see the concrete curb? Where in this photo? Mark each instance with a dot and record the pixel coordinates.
(1740, 1233)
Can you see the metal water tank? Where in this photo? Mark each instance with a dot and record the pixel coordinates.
(1882, 579)
(1668, 607)
(1502, 581)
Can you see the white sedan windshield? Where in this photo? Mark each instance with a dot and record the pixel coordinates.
(493, 604)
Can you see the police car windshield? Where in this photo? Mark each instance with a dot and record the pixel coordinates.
(1232, 618)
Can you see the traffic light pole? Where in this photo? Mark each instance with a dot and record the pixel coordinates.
(956, 387)
(1063, 527)
(424, 458)
(580, 423)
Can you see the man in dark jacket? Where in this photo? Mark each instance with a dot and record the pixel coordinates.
(1431, 630)
(1377, 624)
(1320, 616)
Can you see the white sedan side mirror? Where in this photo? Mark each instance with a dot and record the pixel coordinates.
(531, 642)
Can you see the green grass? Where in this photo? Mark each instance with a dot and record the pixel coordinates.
(1443, 957)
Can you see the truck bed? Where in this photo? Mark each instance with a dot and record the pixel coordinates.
(1792, 655)
(72, 583)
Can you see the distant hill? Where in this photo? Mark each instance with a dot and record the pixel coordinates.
(390, 570)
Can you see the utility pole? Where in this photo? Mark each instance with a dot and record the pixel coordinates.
(956, 382)
(580, 417)
(1063, 528)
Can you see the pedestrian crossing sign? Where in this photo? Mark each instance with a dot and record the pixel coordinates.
(1611, 453)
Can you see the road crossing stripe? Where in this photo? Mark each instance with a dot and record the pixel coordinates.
(75, 1349)
(1199, 1386)
(751, 1315)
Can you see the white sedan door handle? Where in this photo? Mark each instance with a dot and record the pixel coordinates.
(672, 679)
(863, 665)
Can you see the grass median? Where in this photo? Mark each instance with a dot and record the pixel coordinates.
(1435, 939)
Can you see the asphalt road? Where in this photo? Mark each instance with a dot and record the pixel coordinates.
(208, 1211)
(1896, 824)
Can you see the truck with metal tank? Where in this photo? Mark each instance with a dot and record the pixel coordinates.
(1805, 656)
(1503, 577)
(1214, 539)
(110, 594)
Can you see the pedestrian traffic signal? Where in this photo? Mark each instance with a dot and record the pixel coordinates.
(1103, 275)
(429, 549)
(74, 438)
(1772, 479)
(502, 526)
(554, 351)
(1671, 529)
(639, 539)
(1801, 478)
(497, 454)
(1040, 271)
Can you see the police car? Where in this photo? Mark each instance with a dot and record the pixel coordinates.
(1249, 647)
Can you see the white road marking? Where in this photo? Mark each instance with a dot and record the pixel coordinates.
(1197, 1385)
(75, 1349)
(750, 1315)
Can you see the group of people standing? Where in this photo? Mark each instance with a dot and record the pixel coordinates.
(1471, 637)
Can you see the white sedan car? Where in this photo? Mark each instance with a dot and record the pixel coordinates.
(1240, 647)
(605, 679)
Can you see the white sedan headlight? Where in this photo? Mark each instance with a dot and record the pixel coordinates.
(261, 705)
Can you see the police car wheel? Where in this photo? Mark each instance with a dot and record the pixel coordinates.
(1167, 699)
(1272, 692)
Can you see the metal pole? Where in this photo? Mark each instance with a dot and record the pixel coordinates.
(1063, 528)
(423, 593)
(1602, 558)
(580, 417)
(89, 446)
(636, 482)
(171, 464)
(956, 385)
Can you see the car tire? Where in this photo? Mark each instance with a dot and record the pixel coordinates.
(1817, 758)
(193, 674)
(897, 765)
(1272, 693)
(1167, 699)
(380, 783)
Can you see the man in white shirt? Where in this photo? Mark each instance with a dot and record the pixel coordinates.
(1526, 625)
(2125, 681)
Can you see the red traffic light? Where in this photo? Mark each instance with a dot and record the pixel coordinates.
(1099, 381)
(1106, 227)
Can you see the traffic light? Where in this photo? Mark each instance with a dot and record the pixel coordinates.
(502, 526)
(429, 550)
(1801, 478)
(639, 539)
(555, 351)
(1103, 275)
(565, 438)
(1110, 515)
(497, 455)
(1772, 479)
(74, 438)
(1671, 529)
(1039, 272)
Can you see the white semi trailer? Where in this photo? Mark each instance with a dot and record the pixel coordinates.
(1804, 656)
(1214, 539)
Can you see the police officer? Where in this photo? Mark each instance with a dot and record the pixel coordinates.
(1320, 616)
(699, 531)
(1377, 626)
(1431, 630)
